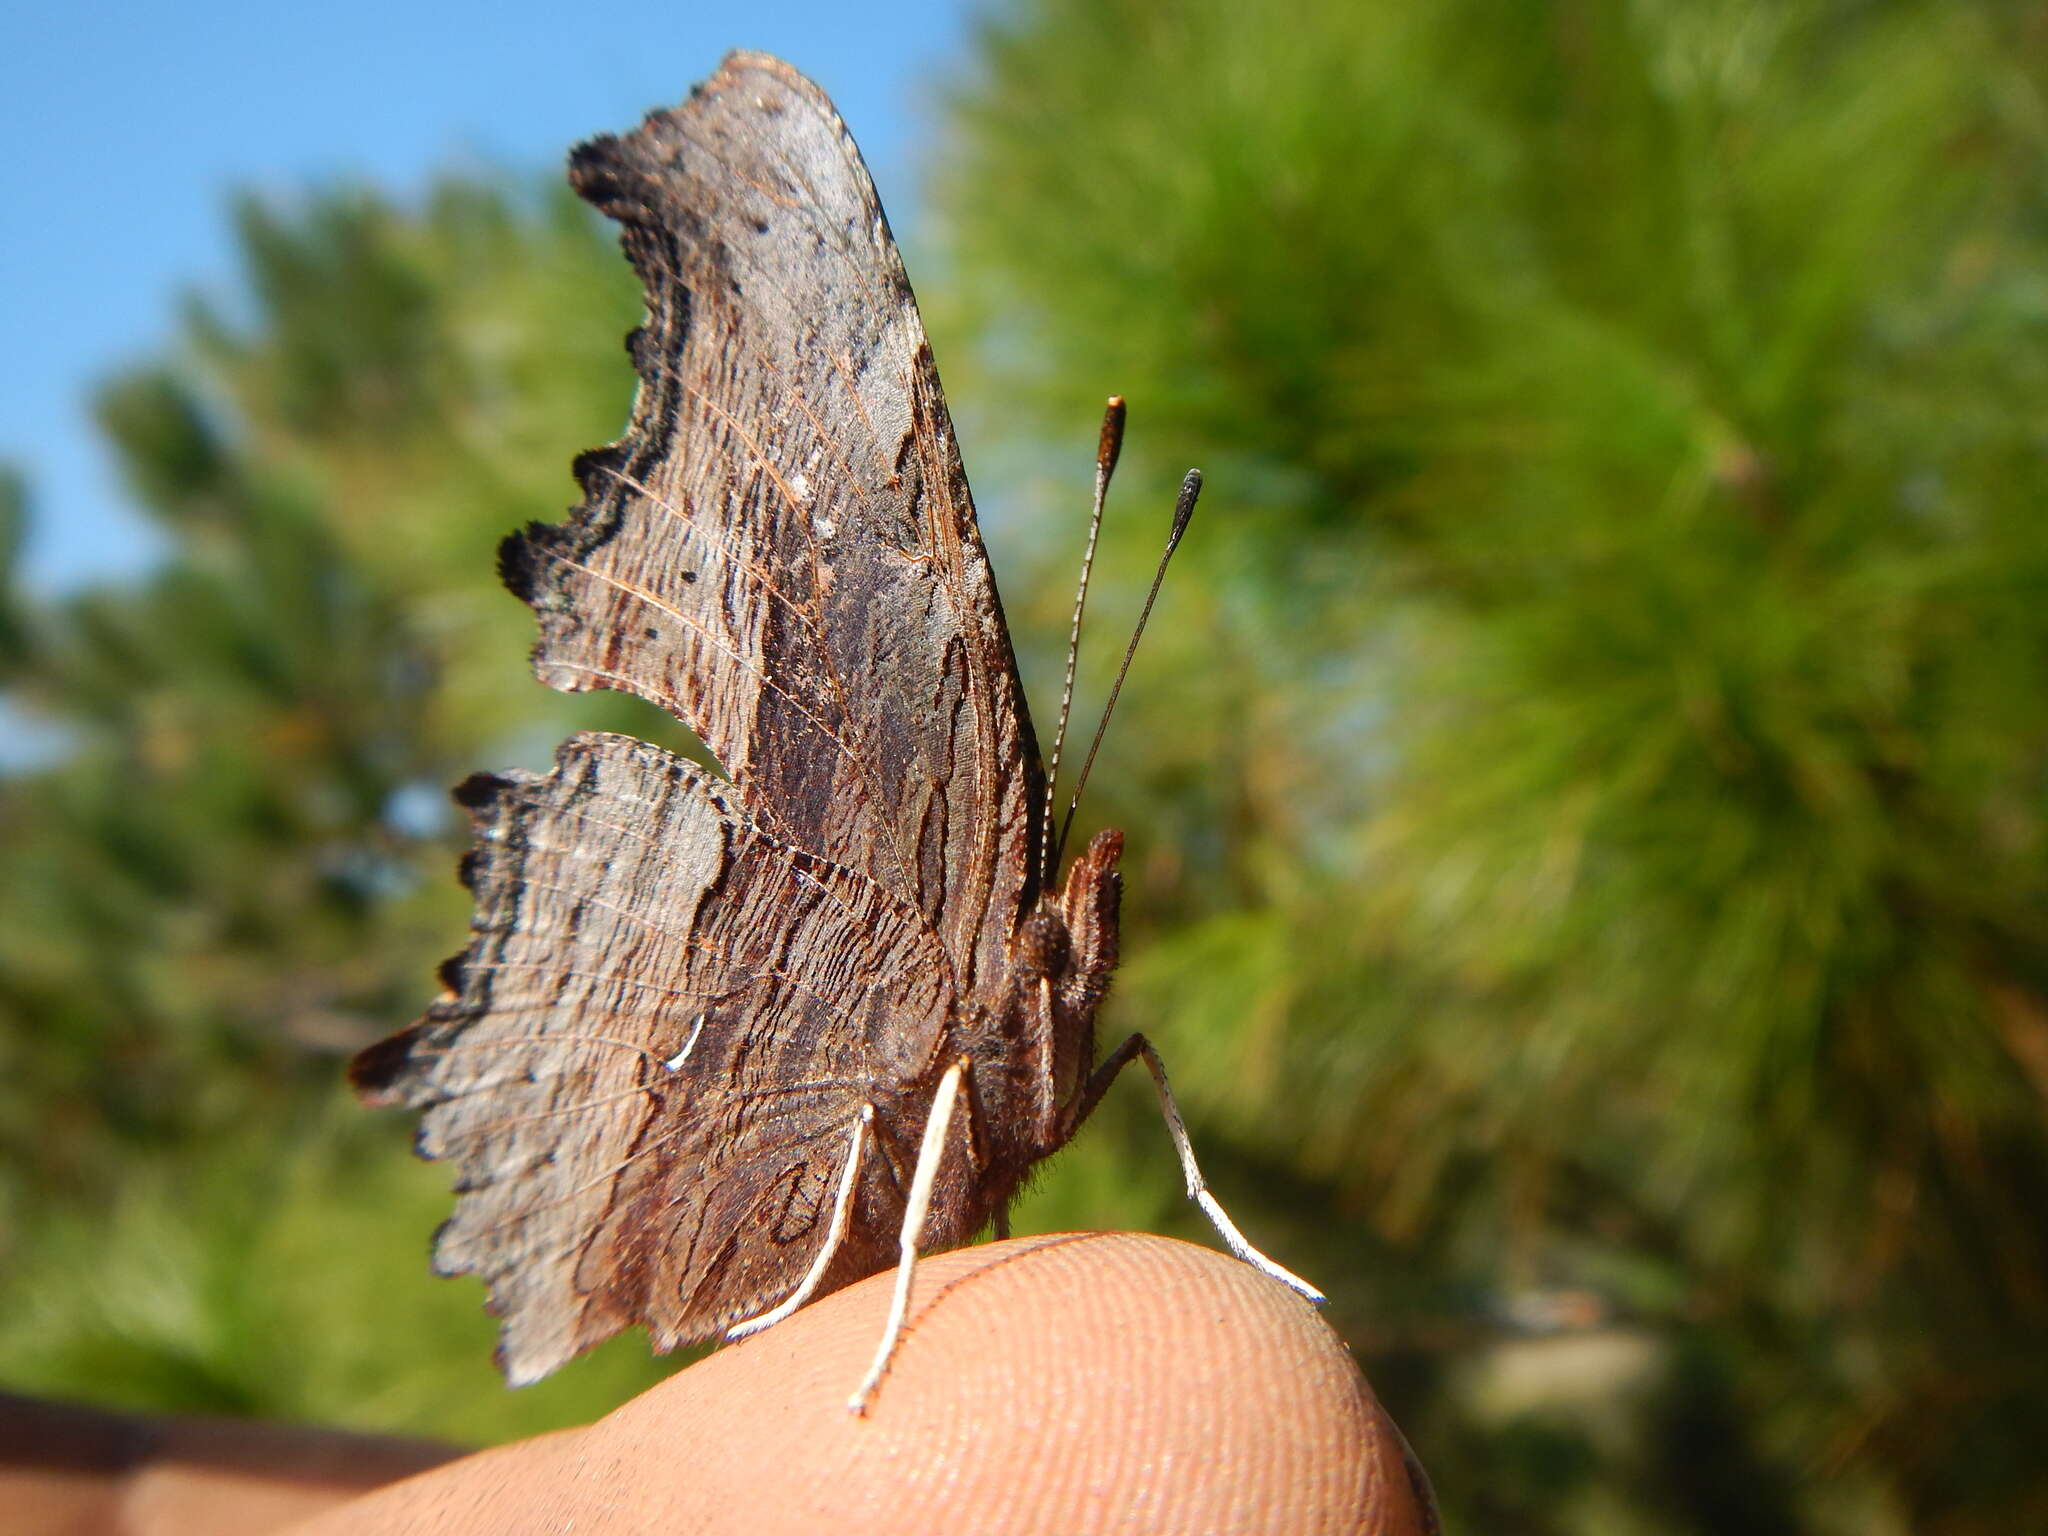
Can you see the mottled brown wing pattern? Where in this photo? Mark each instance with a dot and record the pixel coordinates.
(650, 1056)
(782, 549)
(684, 993)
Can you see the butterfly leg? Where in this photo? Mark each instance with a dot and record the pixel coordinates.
(1138, 1046)
(1044, 1068)
(929, 1153)
(835, 1234)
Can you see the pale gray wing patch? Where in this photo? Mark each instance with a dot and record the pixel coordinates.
(663, 1029)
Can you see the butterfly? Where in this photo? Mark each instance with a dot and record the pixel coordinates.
(722, 1043)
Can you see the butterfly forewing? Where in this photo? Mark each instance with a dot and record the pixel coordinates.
(782, 549)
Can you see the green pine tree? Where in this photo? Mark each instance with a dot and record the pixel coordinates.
(239, 866)
(1622, 611)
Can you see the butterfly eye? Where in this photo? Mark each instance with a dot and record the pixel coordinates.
(1041, 947)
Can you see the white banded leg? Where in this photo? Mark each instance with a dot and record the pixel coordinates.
(1198, 1188)
(835, 1234)
(929, 1153)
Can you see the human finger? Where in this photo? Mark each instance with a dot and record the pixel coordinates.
(1081, 1383)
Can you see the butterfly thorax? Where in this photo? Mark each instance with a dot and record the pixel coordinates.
(1061, 960)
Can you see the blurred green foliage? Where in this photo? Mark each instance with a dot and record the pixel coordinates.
(1625, 867)
(237, 867)
(1586, 785)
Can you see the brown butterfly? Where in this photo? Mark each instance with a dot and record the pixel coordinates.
(720, 1045)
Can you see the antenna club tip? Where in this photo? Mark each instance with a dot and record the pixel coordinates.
(1184, 507)
(1111, 444)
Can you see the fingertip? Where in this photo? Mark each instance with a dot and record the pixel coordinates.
(1077, 1382)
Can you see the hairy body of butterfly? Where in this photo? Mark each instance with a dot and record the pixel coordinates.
(686, 1067)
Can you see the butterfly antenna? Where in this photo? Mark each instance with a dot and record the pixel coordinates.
(1107, 449)
(1183, 510)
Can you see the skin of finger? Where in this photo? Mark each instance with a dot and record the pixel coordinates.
(1083, 1383)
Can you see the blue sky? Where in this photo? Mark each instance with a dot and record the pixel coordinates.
(129, 126)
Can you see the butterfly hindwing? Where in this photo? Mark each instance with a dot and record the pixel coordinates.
(650, 1057)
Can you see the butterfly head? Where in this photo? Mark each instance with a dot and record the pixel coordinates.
(1088, 904)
